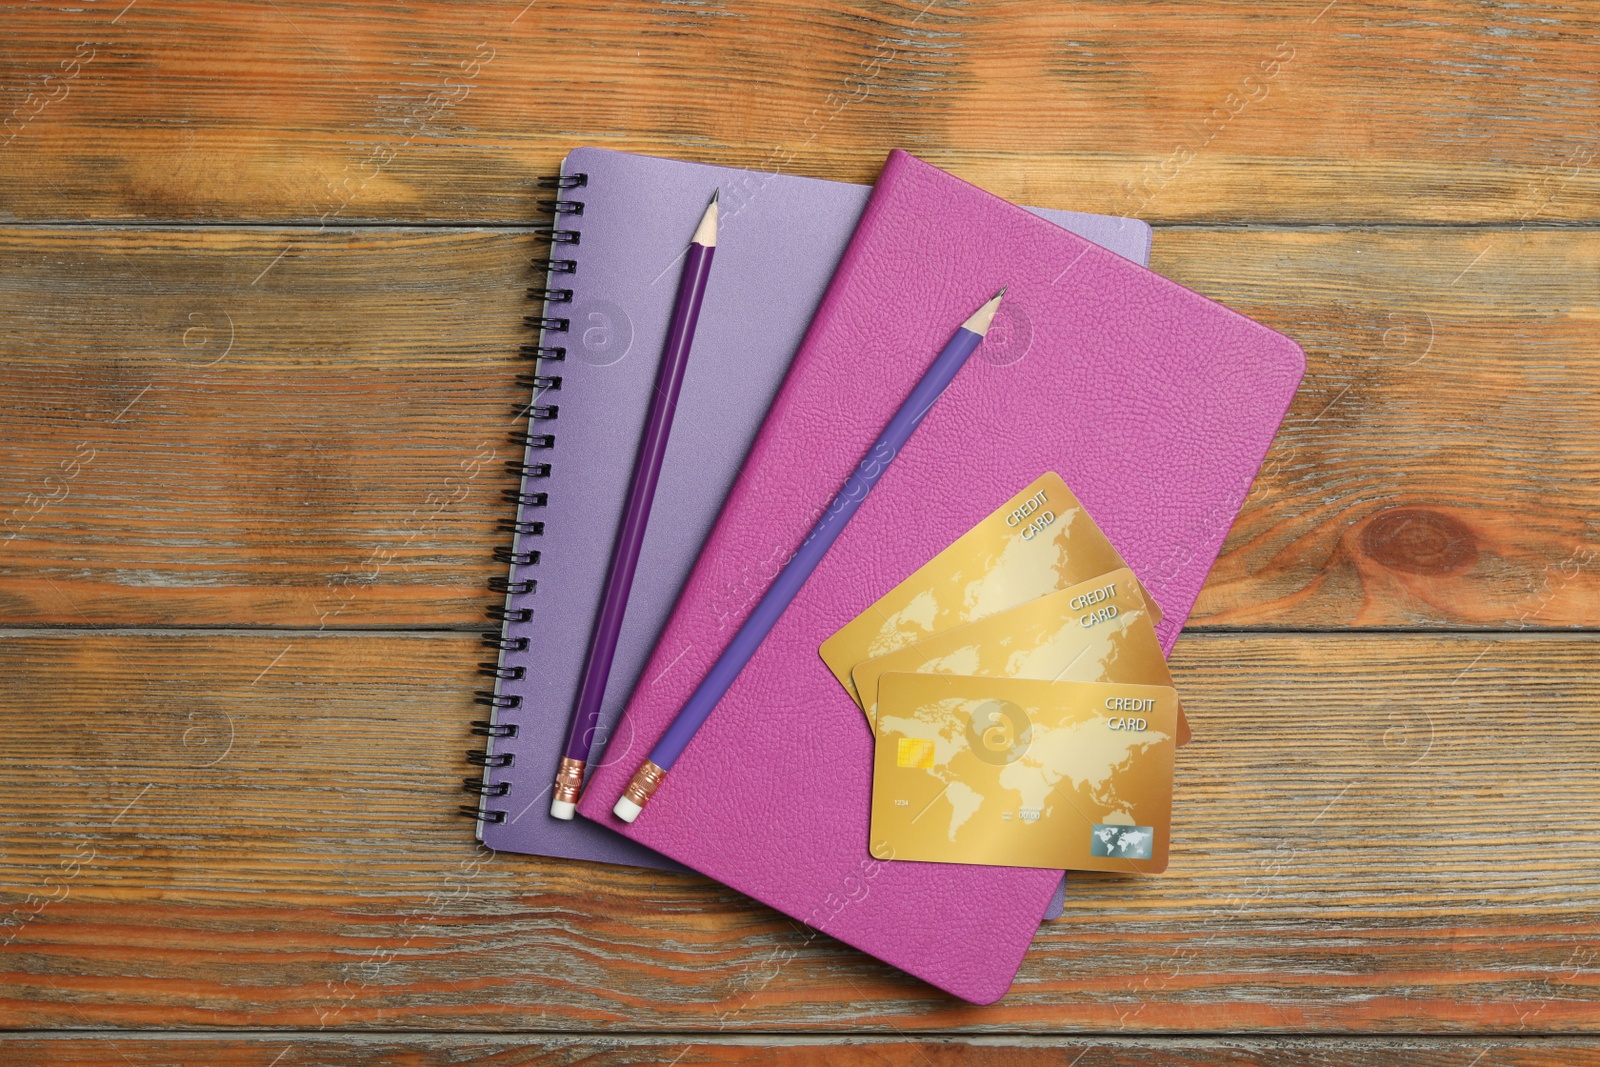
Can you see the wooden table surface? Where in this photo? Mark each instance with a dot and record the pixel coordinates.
(261, 285)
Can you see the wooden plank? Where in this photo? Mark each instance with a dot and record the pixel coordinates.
(295, 1049)
(301, 428)
(1387, 833)
(1414, 481)
(269, 111)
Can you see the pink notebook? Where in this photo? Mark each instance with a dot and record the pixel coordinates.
(1155, 404)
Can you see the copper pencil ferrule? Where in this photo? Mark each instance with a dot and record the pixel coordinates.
(569, 780)
(645, 781)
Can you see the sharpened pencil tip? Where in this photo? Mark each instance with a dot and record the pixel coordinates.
(706, 233)
(980, 320)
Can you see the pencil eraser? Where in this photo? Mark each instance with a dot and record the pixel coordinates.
(626, 810)
(563, 809)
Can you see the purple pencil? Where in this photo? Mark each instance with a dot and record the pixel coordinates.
(635, 515)
(968, 336)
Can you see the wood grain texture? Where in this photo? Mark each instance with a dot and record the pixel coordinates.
(1388, 833)
(1440, 465)
(250, 481)
(293, 428)
(306, 429)
(294, 1049)
(428, 110)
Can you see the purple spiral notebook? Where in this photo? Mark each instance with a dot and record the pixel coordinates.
(779, 242)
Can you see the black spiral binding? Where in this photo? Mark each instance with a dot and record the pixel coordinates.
(534, 466)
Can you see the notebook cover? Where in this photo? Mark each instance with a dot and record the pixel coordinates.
(780, 239)
(1155, 404)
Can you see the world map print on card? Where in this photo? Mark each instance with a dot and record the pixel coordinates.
(1023, 773)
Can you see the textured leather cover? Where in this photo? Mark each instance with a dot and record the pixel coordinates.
(781, 238)
(1155, 404)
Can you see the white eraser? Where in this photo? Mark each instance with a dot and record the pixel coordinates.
(563, 809)
(626, 810)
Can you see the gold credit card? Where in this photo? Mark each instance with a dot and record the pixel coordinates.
(1039, 541)
(1022, 773)
(1095, 631)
